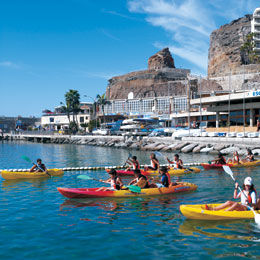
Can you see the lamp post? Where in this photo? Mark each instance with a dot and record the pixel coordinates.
(94, 109)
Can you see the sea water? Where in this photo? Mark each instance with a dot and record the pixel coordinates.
(37, 222)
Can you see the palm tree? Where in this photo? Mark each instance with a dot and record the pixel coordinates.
(102, 101)
(72, 98)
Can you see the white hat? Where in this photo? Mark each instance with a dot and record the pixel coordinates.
(248, 181)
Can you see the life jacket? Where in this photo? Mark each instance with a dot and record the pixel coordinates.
(178, 166)
(40, 167)
(165, 180)
(154, 165)
(115, 185)
(169, 177)
(136, 165)
(249, 198)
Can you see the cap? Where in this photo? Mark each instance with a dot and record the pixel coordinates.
(248, 181)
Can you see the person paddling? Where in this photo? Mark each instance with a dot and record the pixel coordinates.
(134, 163)
(250, 157)
(114, 180)
(220, 159)
(247, 196)
(177, 161)
(236, 158)
(140, 180)
(154, 163)
(39, 167)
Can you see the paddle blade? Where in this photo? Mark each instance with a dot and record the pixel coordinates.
(134, 188)
(26, 158)
(228, 171)
(158, 154)
(257, 218)
(84, 177)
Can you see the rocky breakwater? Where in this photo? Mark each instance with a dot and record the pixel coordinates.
(161, 144)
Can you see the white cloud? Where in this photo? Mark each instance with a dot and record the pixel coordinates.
(9, 64)
(190, 23)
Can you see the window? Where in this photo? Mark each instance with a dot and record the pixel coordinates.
(147, 105)
(81, 119)
(134, 106)
(119, 106)
(163, 105)
(51, 119)
(180, 104)
(108, 109)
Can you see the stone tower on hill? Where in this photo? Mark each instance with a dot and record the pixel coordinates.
(162, 59)
(159, 80)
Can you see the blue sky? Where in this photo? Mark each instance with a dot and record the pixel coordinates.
(50, 46)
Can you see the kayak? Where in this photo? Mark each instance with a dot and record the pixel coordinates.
(8, 175)
(171, 171)
(199, 212)
(208, 166)
(73, 193)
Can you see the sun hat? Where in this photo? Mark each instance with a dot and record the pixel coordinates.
(248, 181)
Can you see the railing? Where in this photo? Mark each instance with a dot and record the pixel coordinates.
(41, 132)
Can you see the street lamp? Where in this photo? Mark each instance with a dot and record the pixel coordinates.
(94, 109)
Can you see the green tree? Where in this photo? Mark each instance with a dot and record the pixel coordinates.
(72, 106)
(248, 53)
(102, 101)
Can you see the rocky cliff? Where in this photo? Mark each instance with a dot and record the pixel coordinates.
(160, 79)
(225, 43)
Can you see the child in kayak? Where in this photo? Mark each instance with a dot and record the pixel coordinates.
(236, 158)
(247, 196)
(154, 163)
(177, 161)
(39, 167)
(114, 180)
(140, 180)
(134, 162)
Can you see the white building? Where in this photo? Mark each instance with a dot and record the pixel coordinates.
(59, 121)
(255, 28)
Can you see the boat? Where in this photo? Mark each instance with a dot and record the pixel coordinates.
(73, 193)
(13, 175)
(171, 171)
(199, 212)
(208, 166)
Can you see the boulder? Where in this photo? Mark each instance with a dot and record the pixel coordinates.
(188, 148)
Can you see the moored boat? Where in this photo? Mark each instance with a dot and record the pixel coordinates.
(208, 166)
(171, 171)
(12, 175)
(199, 212)
(73, 193)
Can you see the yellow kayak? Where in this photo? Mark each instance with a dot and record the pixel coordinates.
(199, 212)
(8, 175)
(171, 171)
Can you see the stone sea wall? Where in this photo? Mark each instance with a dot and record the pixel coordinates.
(163, 144)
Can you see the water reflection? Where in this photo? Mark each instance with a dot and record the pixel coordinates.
(230, 230)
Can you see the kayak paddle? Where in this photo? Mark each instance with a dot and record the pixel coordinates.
(29, 160)
(86, 177)
(230, 173)
(129, 156)
(134, 188)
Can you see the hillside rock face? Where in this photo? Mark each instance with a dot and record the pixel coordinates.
(225, 43)
(162, 59)
(159, 80)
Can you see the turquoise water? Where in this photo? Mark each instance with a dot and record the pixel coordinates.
(39, 223)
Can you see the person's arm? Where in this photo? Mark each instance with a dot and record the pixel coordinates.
(236, 195)
(119, 181)
(171, 162)
(106, 181)
(34, 166)
(181, 163)
(133, 181)
(157, 163)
